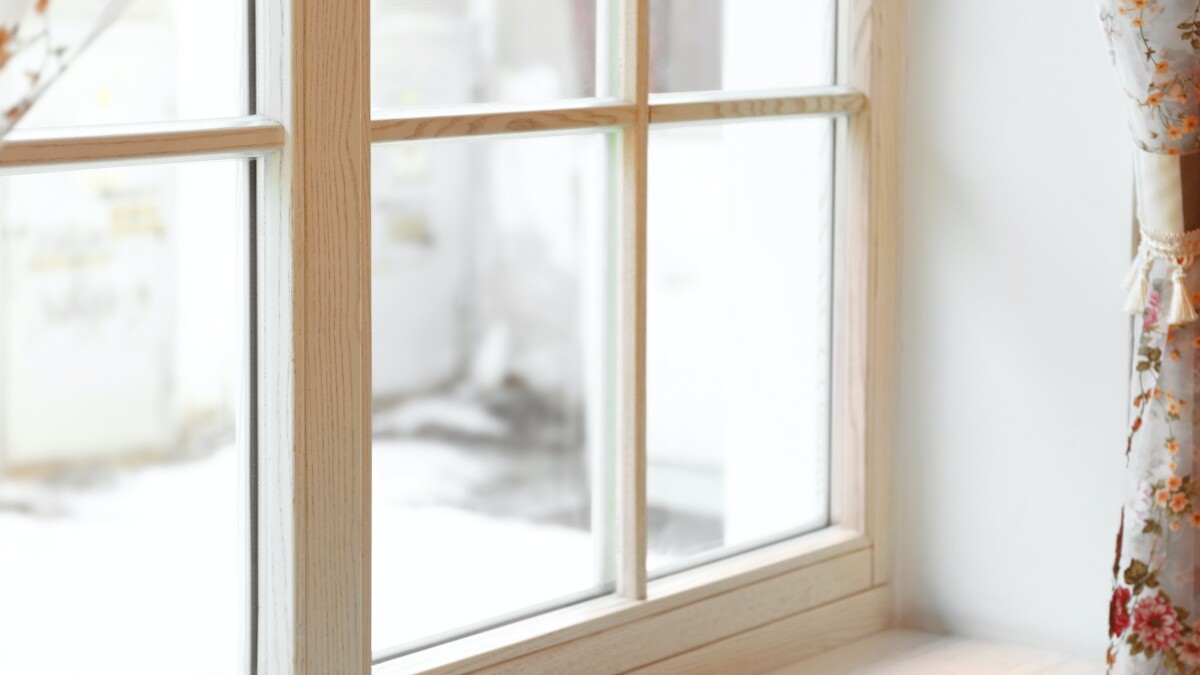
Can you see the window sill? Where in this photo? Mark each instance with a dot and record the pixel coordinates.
(902, 652)
(687, 611)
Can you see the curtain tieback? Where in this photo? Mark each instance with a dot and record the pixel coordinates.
(1178, 250)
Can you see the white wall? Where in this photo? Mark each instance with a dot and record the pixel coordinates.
(1008, 456)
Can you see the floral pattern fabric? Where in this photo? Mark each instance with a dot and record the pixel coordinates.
(1154, 621)
(1155, 45)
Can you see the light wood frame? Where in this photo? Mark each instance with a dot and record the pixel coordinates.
(312, 136)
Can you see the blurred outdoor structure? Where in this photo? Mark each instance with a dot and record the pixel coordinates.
(123, 323)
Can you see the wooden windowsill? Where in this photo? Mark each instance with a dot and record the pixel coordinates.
(902, 652)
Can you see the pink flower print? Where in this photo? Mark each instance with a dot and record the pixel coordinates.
(1189, 650)
(1153, 305)
(1154, 622)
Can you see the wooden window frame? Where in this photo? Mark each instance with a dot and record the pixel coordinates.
(312, 137)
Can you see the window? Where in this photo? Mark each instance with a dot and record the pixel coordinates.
(450, 335)
(737, 451)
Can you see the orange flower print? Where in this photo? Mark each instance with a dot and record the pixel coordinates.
(1172, 446)
(1179, 503)
(1162, 67)
(1172, 151)
(1194, 519)
(1139, 4)
(41, 6)
(1173, 408)
(1137, 21)
(1196, 342)
(1174, 482)
(1162, 497)
(1154, 99)
(1174, 133)
(1174, 354)
(1175, 525)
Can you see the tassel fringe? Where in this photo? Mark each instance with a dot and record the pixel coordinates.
(1139, 287)
(1136, 269)
(1182, 310)
(1175, 249)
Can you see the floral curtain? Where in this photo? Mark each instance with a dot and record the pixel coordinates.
(1154, 611)
(33, 55)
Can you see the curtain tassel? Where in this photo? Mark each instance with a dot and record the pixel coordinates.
(1138, 283)
(1182, 310)
(1135, 268)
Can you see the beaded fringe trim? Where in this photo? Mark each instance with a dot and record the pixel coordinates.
(1176, 249)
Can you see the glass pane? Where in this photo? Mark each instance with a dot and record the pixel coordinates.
(443, 52)
(738, 359)
(161, 60)
(702, 45)
(122, 503)
(491, 340)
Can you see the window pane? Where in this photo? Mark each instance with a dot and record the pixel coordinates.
(491, 337)
(161, 60)
(122, 504)
(442, 52)
(701, 45)
(738, 334)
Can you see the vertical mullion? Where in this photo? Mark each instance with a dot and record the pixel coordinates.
(314, 361)
(633, 82)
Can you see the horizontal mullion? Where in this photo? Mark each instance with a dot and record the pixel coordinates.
(256, 134)
(238, 136)
(460, 121)
(714, 106)
(493, 120)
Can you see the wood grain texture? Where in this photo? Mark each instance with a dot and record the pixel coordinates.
(676, 108)
(780, 643)
(426, 123)
(314, 552)
(669, 633)
(633, 64)
(331, 309)
(878, 29)
(579, 623)
(235, 137)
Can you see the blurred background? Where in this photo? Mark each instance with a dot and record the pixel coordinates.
(123, 323)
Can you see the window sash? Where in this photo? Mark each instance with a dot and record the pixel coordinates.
(312, 135)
